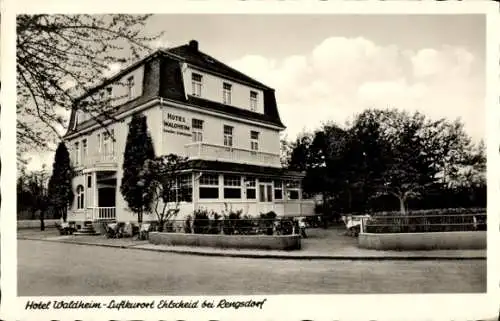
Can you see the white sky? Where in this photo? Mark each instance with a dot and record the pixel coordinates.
(330, 67)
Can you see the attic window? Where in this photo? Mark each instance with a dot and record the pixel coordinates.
(209, 60)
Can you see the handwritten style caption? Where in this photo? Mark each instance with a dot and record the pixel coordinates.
(127, 304)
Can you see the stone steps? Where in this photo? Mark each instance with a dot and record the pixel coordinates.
(87, 229)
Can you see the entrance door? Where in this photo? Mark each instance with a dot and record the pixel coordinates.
(265, 192)
(107, 197)
(266, 204)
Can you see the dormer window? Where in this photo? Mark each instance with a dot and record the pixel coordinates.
(109, 92)
(196, 82)
(130, 87)
(226, 94)
(253, 101)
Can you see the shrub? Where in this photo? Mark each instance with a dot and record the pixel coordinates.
(187, 225)
(267, 222)
(231, 222)
(214, 223)
(201, 221)
(427, 221)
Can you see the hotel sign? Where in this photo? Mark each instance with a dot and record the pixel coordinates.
(175, 124)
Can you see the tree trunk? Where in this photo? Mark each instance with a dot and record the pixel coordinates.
(139, 217)
(64, 214)
(402, 206)
(42, 222)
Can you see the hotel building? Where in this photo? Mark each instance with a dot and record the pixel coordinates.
(225, 122)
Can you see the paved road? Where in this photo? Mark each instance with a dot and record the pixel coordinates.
(46, 268)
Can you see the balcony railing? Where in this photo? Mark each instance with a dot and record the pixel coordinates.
(102, 213)
(97, 159)
(231, 154)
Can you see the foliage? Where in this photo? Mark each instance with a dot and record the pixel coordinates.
(386, 156)
(32, 187)
(60, 57)
(187, 225)
(138, 149)
(160, 178)
(429, 221)
(267, 222)
(201, 221)
(60, 187)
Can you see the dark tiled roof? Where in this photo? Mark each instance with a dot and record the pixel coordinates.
(163, 78)
(234, 111)
(195, 57)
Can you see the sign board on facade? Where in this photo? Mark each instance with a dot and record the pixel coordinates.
(175, 124)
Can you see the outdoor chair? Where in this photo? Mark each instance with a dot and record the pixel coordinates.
(144, 231)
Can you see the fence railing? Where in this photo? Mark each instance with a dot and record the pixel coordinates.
(250, 226)
(424, 223)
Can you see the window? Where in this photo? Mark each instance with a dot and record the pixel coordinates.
(89, 181)
(181, 189)
(130, 87)
(196, 82)
(108, 94)
(232, 186)
(106, 148)
(197, 128)
(84, 150)
(254, 140)
(250, 187)
(292, 190)
(253, 101)
(226, 93)
(209, 186)
(80, 199)
(185, 193)
(278, 190)
(77, 153)
(228, 136)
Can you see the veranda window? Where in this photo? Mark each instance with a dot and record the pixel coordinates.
(292, 190)
(232, 186)
(209, 186)
(250, 187)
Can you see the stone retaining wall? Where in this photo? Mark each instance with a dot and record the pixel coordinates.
(423, 241)
(262, 242)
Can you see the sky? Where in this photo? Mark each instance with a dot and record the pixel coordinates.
(332, 67)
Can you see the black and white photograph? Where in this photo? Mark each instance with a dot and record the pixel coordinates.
(250, 155)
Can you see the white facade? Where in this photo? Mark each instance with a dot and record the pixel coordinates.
(196, 133)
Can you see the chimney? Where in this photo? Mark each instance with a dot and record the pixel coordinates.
(193, 44)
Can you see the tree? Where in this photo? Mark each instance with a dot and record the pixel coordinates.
(162, 180)
(33, 193)
(60, 186)
(299, 155)
(138, 149)
(413, 151)
(60, 57)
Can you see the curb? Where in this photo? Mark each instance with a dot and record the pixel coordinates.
(273, 256)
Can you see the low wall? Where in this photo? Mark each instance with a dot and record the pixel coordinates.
(26, 224)
(423, 241)
(263, 242)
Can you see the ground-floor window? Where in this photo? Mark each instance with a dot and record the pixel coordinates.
(292, 190)
(265, 190)
(250, 188)
(181, 189)
(232, 186)
(80, 197)
(209, 186)
(278, 190)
